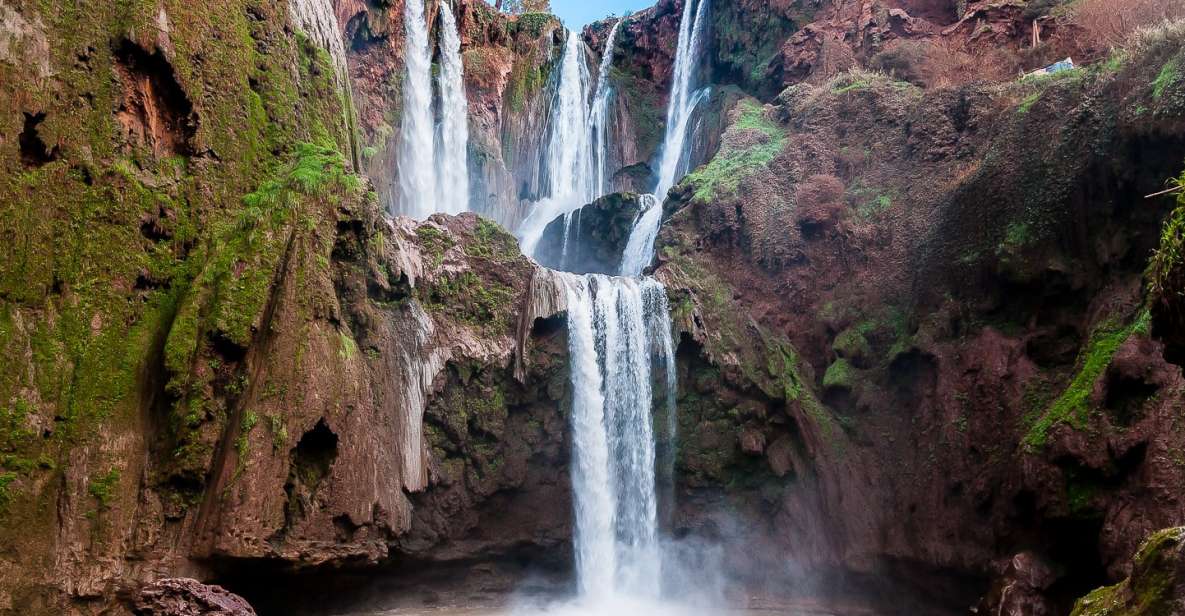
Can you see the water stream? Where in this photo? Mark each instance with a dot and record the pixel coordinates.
(452, 140)
(433, 171)
(676, 156)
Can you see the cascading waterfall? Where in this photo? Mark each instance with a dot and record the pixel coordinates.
(675, 155)
(600, 115)
(616, 326)
(569, 159)
(416, 184)
(452, 175)
(433, 171)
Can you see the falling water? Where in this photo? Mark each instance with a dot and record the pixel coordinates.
(452, 171)
(683, 99)
(600, 115)
(616, 327)
(675, 155)
(416, 184)
(569, 160)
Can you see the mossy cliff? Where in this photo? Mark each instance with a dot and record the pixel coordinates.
(219, 352)
(957, 276)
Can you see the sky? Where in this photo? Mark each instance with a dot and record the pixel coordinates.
(576, 13)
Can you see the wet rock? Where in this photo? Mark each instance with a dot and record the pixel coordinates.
(189, 597)
(1019, 590)
(595, 238)
(1156, 585)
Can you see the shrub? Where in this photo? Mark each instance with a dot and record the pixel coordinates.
(1111, 22)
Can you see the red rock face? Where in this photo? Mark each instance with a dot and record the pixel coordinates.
(936, 331)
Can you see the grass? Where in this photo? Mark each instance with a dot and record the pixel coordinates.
(723, 174)
(1169, 74)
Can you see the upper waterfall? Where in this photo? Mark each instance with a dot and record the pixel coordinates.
(683, 100)
(568, 164)
(452, 175)
(600, 115)
(433, 165)
(675, 156)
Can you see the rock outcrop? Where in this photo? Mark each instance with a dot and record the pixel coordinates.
(596, 237)
(188, 597)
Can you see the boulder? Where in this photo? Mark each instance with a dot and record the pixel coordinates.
(189, 597)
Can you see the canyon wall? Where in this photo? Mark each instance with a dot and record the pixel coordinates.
(914, 344)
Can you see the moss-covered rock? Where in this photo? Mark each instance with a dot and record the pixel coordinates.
(1156, 586)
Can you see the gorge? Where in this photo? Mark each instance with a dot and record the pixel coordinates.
(843, 307)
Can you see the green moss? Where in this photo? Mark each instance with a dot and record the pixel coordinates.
(434, 243)
(467, 298)
(103, 487)
(851, 344)
(246, 425)
(6, 495)
(1074, 404)
(1168, 75)
(839, 375)
(1150, 589)
(490, 241)
(347, 348)
(724, 173)
(1028, 102)
(279, 433)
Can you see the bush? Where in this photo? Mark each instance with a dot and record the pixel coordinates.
(1111, 22)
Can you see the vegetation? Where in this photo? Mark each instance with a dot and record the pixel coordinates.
(1074, 405)
(724, 173)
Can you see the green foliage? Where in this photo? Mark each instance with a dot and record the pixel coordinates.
(1074, 404)
(103, 487)
(467, 298)
(723, 174)
(1028, 102)
(1169, 257)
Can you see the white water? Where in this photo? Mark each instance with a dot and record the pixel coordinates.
(416, 182)
(683, 99)
(639, 250)
(433, 172)
(612, 324)
(452, 170)
(600, 115)
(676, 153)
(569, 159)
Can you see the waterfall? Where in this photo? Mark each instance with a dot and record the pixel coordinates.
(568, 164)
(416, 184)
(453, 137)
(683, 100)
(639, 249)
(600, 115)
(675, 156)
(615, 328)
(433, 171)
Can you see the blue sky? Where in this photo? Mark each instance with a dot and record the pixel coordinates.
(576, 13)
